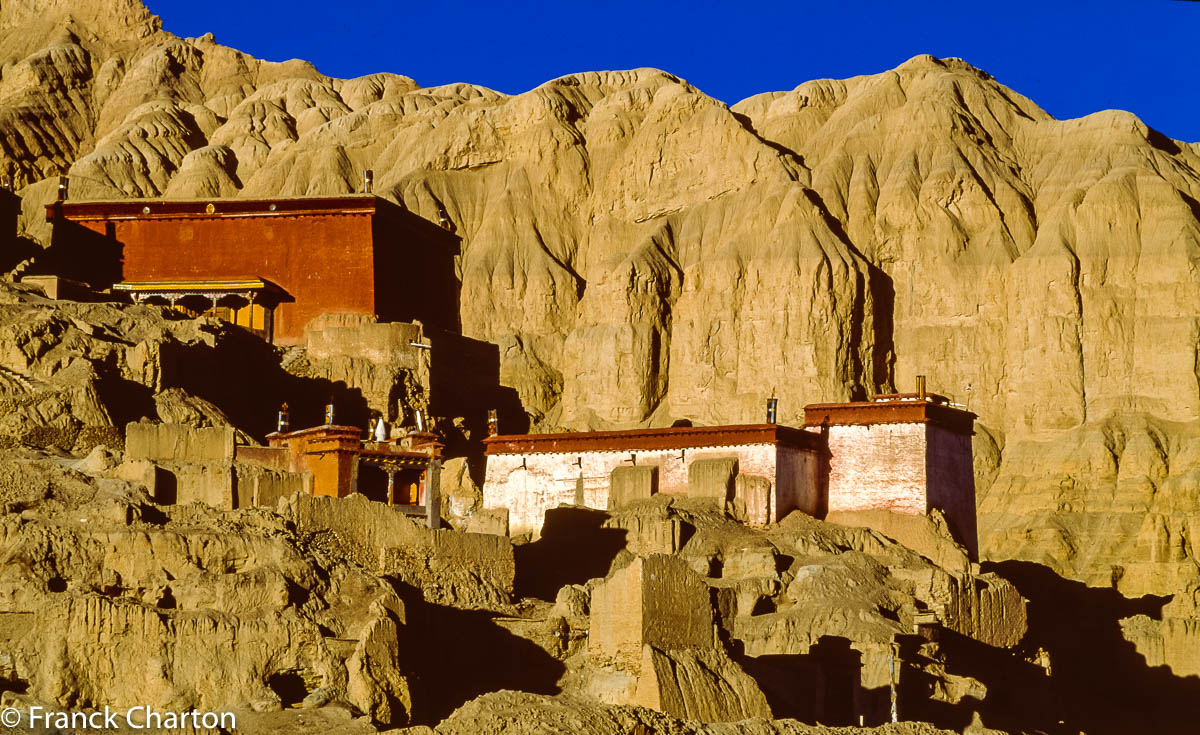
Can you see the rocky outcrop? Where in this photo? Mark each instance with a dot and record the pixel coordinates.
(462, 499)
(377, 360)
(107, 599)
(71, 373)
(509, 713)
(1110, 504)
(701, 616)
(640, 253)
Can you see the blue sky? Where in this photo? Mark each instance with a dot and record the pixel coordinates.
(1071, 58)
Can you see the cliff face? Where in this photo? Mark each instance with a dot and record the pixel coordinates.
(643, 253)
(1045, 271)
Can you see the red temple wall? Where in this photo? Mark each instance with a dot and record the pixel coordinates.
(324, 262)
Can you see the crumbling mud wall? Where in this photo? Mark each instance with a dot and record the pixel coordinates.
(450, 567)
(652, 642)
(377, 360)
(696, 612)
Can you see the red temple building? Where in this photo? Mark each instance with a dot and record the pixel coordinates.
(270, 265)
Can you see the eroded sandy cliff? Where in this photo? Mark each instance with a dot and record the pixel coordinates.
(643, 253)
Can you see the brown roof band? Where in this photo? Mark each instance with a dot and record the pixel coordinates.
(867, 413)
(682, 437)
(324, 431)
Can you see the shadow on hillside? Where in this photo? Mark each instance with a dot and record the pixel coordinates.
(242, 375)
(14, 250)
(1100, 684)
(451, 656)
(81, 254)
(1019, 697)
(574, 548)
(464, 381)
(824, 686)
(883, 300)
(244, 378)
(821, 686)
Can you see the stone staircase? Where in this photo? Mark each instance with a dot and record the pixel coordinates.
(14, 382)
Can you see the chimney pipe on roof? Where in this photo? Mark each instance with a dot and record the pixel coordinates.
(368, 179)
(921, 387)
(772, 409)
(62, 188)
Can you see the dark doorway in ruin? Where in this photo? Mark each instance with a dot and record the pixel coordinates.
(289, 686)
(372, 482)
(166, 487)
(822, 686)
(14, 684)
(443, 642)
(575, 546)
(840, 669)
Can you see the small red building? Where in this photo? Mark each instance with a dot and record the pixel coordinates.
(271, 265)
(402, 473)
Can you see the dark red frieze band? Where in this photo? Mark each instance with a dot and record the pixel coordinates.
(679, 437)
(122, 209)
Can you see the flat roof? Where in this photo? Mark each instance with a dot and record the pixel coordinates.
(676, 437)
(132, 209)
(321, 431)
(226, 284)
(901, 408)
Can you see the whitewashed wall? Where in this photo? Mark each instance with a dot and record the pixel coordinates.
(530, 484)
(881, 466)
